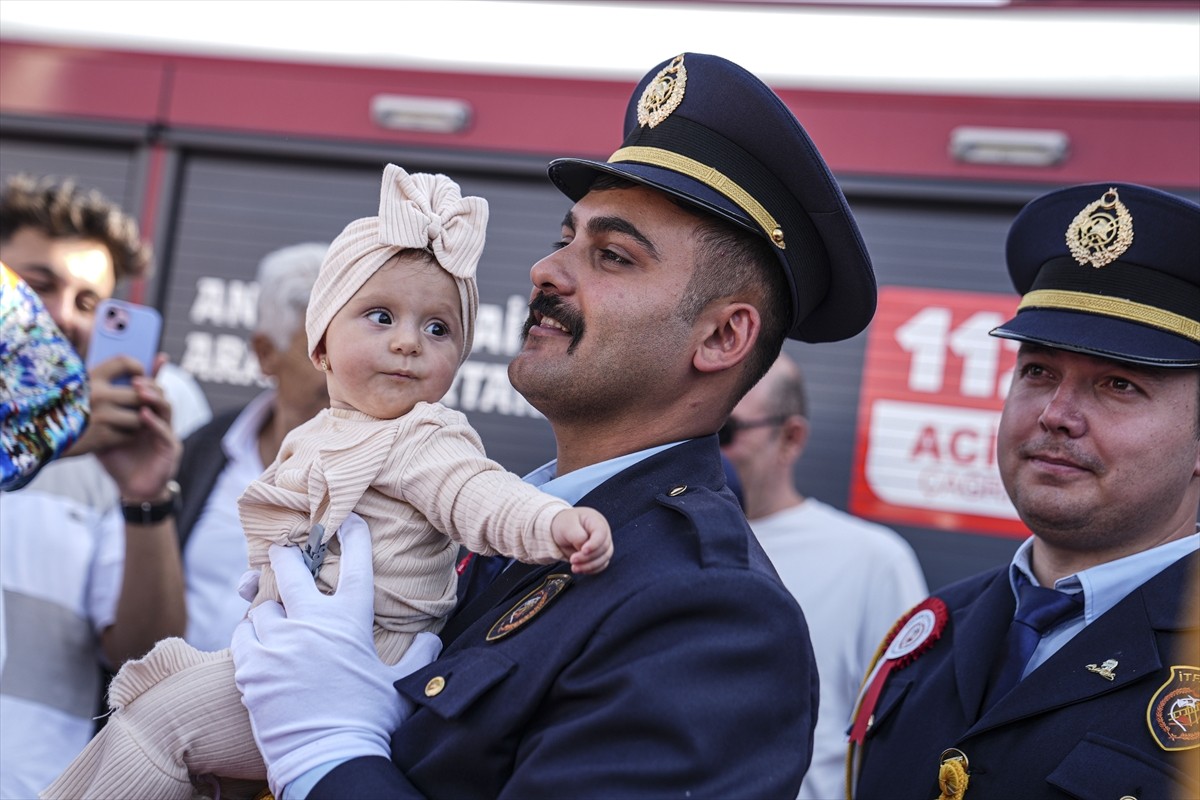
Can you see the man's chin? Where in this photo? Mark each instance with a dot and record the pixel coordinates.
(534, 364)
(1065, 527)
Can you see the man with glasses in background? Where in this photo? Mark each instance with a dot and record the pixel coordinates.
(852, 578)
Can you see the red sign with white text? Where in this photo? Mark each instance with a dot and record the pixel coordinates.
(933, 387)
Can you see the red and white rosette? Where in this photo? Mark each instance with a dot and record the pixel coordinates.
(912, 635)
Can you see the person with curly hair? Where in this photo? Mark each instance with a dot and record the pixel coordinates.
(89, 559)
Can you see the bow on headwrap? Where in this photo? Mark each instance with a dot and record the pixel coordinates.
(416, 212)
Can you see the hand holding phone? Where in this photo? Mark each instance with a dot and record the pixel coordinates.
(124, 328)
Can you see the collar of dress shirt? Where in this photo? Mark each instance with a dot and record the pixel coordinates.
(241, 439)
(1105, 585)
(574, 485)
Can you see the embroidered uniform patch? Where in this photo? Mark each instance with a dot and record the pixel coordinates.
(1174, 711)
(529, 606)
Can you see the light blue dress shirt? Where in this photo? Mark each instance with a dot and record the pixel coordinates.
(1103, 586)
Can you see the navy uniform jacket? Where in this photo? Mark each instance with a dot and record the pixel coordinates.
(682, 670)
(1064, 731)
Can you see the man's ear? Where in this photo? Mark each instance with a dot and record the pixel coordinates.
(730, 333)
(266, 353)
(794, 431)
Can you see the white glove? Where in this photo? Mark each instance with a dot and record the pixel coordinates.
(311, 680)
(248, 584)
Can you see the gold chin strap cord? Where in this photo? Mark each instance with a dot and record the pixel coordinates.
(710, 177)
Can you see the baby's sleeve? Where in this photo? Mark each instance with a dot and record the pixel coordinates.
(472, 499)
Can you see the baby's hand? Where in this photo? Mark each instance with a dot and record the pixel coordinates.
(584, 537)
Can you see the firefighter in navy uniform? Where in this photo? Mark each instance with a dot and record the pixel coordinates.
(1074, 671)
(710, 235)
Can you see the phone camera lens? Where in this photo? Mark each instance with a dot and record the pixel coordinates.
(112, 312)
(120, 326)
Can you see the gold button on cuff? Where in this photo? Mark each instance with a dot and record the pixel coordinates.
(435, 686)
(677, 490)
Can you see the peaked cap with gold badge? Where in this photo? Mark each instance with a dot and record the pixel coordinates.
(707, 132)
(1108, 269)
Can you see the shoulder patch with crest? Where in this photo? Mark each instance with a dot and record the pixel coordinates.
(1174, 711)
(529, 606)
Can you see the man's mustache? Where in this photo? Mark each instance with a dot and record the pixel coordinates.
(551, 305)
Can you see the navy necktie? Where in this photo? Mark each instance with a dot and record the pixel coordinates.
(1038, 611)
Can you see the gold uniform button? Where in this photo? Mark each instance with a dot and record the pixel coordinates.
(677, 490)
(435, 686)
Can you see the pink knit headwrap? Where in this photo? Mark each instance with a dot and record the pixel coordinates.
(416, 212)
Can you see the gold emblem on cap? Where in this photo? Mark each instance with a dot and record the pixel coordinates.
(664, 94)
(1101, 232)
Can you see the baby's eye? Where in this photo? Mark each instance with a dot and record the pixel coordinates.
(379, 316)
(437, 328)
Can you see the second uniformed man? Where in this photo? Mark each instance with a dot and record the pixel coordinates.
(1073, 671)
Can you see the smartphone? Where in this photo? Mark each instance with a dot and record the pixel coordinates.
(125, 329)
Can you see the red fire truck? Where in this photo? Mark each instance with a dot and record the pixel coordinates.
(228, 146)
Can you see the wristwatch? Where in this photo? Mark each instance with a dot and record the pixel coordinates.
(148, 513)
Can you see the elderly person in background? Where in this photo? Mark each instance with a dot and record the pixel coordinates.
(222, 458)
(852, 577)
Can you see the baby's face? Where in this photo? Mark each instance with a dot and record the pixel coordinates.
(396, 342)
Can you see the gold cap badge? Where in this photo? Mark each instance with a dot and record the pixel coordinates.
(663, 94)
(1101, 232)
